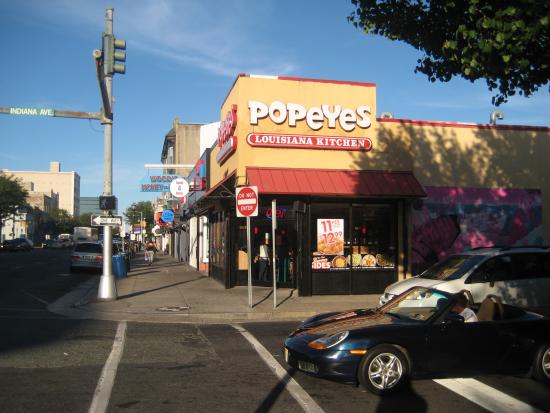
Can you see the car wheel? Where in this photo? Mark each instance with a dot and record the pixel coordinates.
(384, 370)
(541, 368)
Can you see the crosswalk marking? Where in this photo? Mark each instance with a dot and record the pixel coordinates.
(106, 381)
(300, 395)
(486, 396)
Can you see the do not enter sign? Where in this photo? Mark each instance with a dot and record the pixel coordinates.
(247, 201)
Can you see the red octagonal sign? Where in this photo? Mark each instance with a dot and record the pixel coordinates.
(247, 201)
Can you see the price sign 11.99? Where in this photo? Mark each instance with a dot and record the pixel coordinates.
(330, 236)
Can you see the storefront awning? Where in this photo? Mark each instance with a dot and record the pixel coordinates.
(328, 182)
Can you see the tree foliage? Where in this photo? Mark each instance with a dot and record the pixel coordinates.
(63, 222)
(505, 42)
(84, 219)
(12, 195)
(133, 215)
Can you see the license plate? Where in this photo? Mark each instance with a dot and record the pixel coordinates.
(307, 366)
(285, 351)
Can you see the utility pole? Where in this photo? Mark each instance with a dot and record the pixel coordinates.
(106, 67)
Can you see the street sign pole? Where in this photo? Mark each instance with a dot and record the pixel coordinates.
(107, 286)
(249, 250)
(273, 229)
(246, 199)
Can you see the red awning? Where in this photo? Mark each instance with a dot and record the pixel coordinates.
(372, 184)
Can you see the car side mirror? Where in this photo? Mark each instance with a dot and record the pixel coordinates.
(453, 318)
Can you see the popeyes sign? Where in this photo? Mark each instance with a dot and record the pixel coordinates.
(314, 117)
(227, 141)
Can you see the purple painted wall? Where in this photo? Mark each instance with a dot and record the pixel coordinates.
(452, 220)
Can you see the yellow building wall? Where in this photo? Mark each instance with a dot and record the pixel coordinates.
(303, 92)
(471, 157)
(439, 154)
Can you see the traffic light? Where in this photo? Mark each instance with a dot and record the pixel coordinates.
(107, 203)
(113, 53)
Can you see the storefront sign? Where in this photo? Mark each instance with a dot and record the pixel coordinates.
(167, 216)
(330, 236)
(343, 143)
(281, 213)
(179, 187)
(247, 201)
(157, 183)
(226, 139)
(314, 117)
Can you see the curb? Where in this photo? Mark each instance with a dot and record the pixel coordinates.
(78, 297)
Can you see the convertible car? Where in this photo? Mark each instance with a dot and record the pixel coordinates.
(419, 334)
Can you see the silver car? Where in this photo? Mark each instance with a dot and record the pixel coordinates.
(518, 275)
(87, 255)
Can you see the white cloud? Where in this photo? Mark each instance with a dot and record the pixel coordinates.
(223, 38)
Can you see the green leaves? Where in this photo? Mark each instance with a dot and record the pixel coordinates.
(504, 43)
(12, 195)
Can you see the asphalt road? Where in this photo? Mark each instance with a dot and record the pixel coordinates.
(29, 281)
(52, 364)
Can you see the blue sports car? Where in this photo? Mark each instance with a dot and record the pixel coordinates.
(420, 334)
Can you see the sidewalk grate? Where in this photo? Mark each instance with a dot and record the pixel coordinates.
(172, 309)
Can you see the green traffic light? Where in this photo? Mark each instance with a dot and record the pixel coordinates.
(114, 55)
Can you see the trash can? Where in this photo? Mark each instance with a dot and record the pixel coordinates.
(119, 266)
(126, 256)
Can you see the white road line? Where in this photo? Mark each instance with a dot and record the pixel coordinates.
(487, 397)
(302, 397)
(106, 381)
(35, 297)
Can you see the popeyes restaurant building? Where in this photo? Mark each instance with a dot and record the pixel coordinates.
(362, 201)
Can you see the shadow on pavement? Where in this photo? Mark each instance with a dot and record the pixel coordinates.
(407, 399)
(122, 297)
(274, 394)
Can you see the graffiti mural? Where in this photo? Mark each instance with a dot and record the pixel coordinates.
(451, 220)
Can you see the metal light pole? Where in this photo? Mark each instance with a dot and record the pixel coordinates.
(107, 286)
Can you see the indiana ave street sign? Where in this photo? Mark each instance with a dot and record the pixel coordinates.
(247, 201)
(32, 111)
(102, 220)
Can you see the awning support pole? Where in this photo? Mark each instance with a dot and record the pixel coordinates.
(273, 228)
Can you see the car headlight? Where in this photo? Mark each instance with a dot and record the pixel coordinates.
(328, 341)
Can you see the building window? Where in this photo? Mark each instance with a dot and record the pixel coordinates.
(330, 237)
(373, 236)
(217, 255)
(352, 237)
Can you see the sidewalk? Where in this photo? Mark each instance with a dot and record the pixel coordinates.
(169, 291)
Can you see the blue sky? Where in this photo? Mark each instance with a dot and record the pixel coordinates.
(182, 57)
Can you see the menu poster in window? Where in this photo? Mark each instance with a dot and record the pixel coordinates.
(330, 236)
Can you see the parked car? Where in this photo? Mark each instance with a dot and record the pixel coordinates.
(417, 335)
(18, 244)
(90, 255)
(87, 255)
(52, 243)
(66, 240)
(520, 275)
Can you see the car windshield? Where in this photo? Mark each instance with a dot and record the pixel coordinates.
(418, 304)
(89, 248)
(452, 268)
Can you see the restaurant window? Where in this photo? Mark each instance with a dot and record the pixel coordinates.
(242, 251)
(358, 237)
(218, 239)
(373, 235)
(330, 237)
